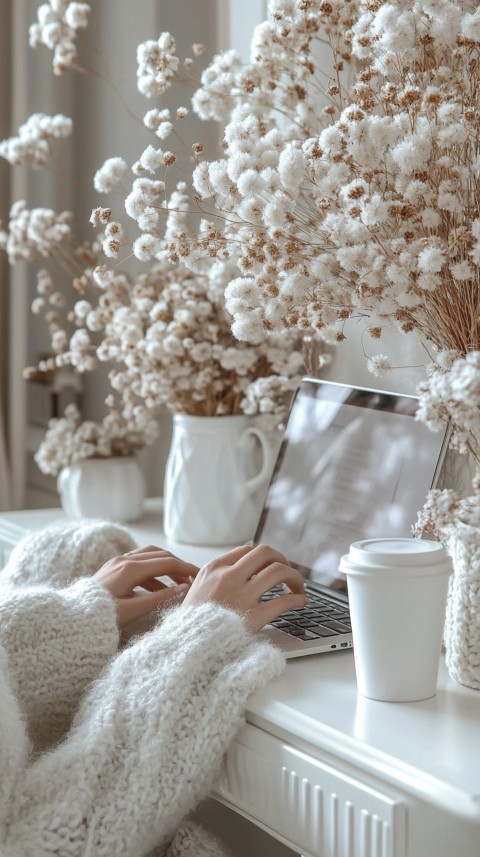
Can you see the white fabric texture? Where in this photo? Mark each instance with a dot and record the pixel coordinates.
(191, 840)
(462, 617)
(56, 642)
(149, 733)
(59, 554)
(48, 634)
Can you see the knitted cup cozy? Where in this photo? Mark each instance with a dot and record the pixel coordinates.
(462, 621)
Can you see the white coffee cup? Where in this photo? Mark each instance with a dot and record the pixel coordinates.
(397, 591)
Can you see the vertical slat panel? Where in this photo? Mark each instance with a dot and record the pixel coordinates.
(333, 826)
(293, 792)
(317, 832)
(306, 804)
(377, 836)
(349, 830)
(365, 834)
(322, 811)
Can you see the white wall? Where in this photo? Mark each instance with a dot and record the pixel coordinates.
(406, 355)
(236, 21)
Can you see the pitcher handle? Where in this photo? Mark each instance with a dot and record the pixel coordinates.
(255, 482)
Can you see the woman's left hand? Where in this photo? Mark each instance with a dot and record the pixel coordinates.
(141, 567)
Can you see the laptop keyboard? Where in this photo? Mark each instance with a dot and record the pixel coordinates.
(320, 618)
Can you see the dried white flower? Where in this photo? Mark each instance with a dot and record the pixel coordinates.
(378, 365)
(69, 440)
(33, 143)
(157, 65)
(109, 174)
(56, 28)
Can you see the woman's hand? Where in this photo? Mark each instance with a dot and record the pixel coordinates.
(140, 567)
(240, 577)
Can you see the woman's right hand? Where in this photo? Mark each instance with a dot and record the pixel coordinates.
(240, 577)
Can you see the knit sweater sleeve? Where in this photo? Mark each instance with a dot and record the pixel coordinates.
(61, 553)
(147, 742)
(57, 642)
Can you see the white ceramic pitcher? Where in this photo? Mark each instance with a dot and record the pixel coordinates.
(213, 487)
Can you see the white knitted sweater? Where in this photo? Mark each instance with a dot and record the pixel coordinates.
(151, 723)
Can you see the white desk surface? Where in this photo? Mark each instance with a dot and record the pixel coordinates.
(430, 748)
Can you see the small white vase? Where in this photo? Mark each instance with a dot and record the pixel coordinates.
(214, 486)
(109, 488)
(462, 621)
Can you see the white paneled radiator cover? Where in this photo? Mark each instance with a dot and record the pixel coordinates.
(327, 812)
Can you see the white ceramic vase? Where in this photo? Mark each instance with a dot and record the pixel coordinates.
(216, 474)
(109, 488)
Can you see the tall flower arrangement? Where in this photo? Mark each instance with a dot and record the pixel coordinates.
(265, 214)
(287, 90)
(166, 336)
(378, 214)
(332, 200)
(164, 331)
(379, 211)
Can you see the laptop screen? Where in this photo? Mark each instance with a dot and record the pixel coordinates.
(354, 463)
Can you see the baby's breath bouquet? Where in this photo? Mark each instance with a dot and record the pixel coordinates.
(70, 439)
(375, 216)
(166, 336)
(41, 237)
(163, 331)
(348, 187)
(380, 210)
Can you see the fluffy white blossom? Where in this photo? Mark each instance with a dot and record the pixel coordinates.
(378, 365)
(470, 26)
(32, 145)
(431, 260)
(453, 396)
(110, 174)
(70, 439)
(156, 65)
(56, 28)
(100, 216)
(151, 159)
(145, 247)
(34, 233)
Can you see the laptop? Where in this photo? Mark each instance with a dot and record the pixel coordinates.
(354, 463)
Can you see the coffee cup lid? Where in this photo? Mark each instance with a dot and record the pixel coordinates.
(382, 551)
(395, 553)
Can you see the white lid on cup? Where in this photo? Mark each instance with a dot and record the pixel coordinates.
(396, 553)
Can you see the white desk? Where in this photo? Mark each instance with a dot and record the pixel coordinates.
(332, 774)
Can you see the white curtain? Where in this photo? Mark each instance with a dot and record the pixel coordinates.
(26, 85)
(5, 490)
(13, 91)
